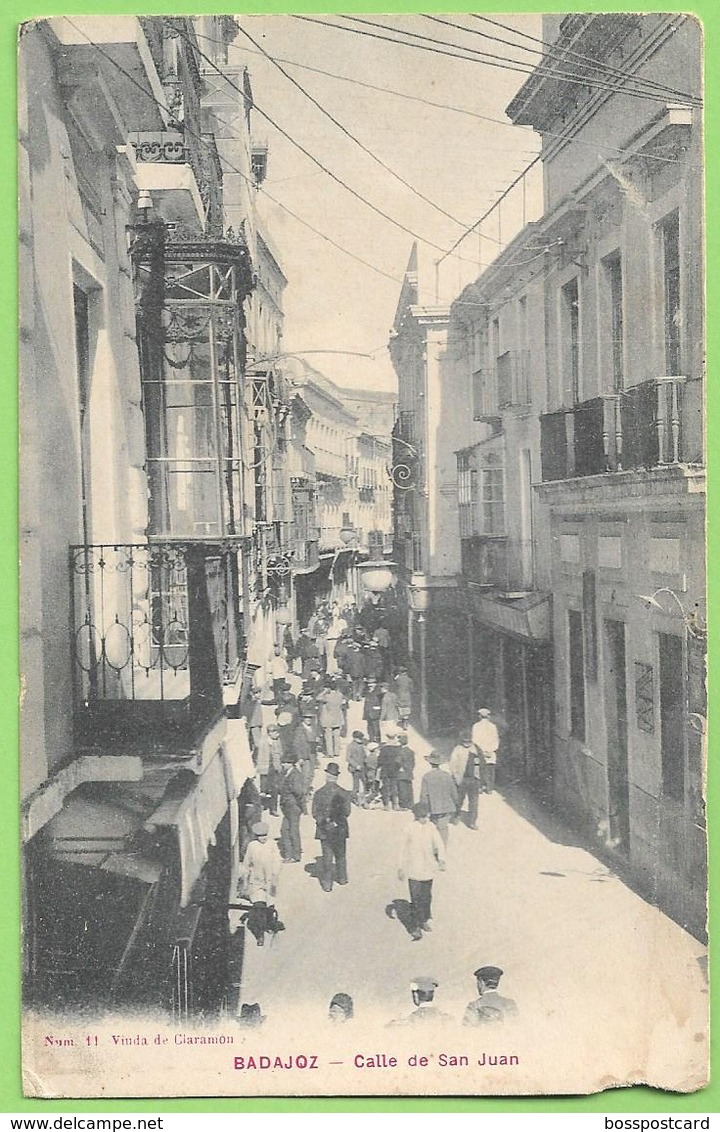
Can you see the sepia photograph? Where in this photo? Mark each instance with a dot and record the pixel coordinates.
(362, 523)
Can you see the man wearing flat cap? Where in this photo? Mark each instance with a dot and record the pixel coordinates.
(423, 989)
(489, 1006)
(331, 809)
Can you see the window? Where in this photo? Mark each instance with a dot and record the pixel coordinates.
(191, 409)
(670, 239)
(478, 394)
(85, 332)
(672, 711)
(571, 339)
(467, 495)
(614, 286)
(576, 665)
(492, 499)
(523, 367)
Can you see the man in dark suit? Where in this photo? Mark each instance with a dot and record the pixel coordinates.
(292, 804)
(331, 809)
(304, 747)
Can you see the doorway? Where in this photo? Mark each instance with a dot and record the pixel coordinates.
(617, 736)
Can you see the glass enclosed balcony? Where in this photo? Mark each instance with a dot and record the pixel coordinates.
(189, 306)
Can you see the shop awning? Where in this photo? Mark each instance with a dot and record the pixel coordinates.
(526, 615)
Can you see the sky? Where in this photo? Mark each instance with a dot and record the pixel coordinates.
(459, 161)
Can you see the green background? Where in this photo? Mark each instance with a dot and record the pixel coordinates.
(11, 1100)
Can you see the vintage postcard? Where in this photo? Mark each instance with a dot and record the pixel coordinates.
(362, 519)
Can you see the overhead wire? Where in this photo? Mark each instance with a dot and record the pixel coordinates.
(461, 110)
(604, 70)
(316, 161)
(471, 55)
(229, 165)
(586, 60)
(347, 132)
(637, 85)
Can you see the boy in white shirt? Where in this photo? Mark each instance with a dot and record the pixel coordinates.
(422, 854)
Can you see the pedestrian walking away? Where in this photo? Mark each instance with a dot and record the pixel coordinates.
(405, 772)
(486, 738)
(259, 875)
(489, 1006)
(403, 688)
(331, 809)
(268, 764)
(292, 804)
(356, 755)
(371, 776)
(278, 670)
(355, 667)
(421, 855)
(389, 712)
(304, 747)
(387, 768)
(439, 793)
(331, 717)
(338, 625)
(372, 707)
(249, 812)
(467, 767)
(255, 718)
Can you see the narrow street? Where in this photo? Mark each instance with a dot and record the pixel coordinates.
(593, 968)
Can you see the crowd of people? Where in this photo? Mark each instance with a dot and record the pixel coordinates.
(298, 726)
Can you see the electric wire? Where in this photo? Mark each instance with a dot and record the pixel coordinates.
(461, 109)
(470, 55)
(229, 165)
(348, 134)
(605, 71)
(316, 161)
(527, 67)
(586, 60)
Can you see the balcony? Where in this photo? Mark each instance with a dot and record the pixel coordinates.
(484, 560)
(112, 66)
(306, 552)
(155, 638)
(513, 378)
(652, 425)
(182, 171)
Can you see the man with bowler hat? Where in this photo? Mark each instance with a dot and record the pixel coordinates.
(331, 809)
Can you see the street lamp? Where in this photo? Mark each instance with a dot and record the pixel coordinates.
(693, 623)
(696, 630)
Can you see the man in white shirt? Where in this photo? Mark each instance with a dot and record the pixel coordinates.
(259, 875)
(422, 854)
(487, 740)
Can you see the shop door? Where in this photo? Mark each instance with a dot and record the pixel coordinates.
(617, 736)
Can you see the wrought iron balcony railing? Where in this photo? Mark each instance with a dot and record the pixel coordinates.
(654, 424)
(155, 633)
